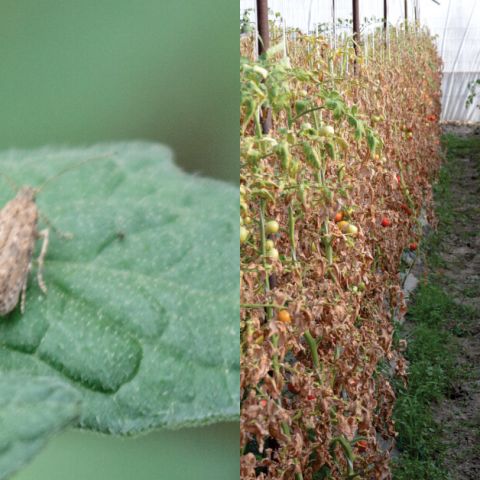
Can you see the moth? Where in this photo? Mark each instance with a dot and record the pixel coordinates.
(19, 233)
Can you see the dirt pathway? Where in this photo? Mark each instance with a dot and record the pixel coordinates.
(459, 414)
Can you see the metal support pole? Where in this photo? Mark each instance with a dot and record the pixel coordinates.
(405, 3)
(356, 29)
(263, 46)
(385, 21)
(334, 23)
(262, 22)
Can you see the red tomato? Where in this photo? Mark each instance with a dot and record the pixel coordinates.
(362, 445)
(293, 388)
(406, 209)
(386, 222)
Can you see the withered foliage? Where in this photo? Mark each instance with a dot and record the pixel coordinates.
(316, 394)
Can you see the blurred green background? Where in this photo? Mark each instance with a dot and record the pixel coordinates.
(189, 454)
(79, 72)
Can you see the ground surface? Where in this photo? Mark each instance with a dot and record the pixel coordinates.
(459, 274)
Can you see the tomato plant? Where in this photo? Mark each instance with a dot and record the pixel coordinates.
(348, 154)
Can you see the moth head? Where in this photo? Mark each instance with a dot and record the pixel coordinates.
(28, 192)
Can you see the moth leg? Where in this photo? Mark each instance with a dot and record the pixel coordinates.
(60, 233)
(23, 296)
(41, 283)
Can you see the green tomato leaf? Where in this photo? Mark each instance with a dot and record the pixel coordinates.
(31, 410)
(141, 314)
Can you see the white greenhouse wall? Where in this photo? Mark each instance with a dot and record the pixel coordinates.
(455, 23)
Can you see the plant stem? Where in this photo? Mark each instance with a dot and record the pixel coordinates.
(260, 305)
(291, 232)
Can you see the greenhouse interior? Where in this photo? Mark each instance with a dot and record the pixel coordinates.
(360, 239)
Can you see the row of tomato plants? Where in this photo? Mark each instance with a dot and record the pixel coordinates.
(329, 201)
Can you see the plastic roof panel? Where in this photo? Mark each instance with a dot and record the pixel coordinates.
(455, 23)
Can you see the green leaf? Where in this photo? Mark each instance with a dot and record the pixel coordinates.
(358, 125)
(372, 142)
(311, 155)
(330, 147)
(141, 315)
(352, 121)
(31, 410)
(335, 103)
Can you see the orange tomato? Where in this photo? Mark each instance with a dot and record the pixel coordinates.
(343, 225)
(284, 316)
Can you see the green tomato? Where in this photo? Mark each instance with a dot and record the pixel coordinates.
(272, 227)
(243, 234)
(273, 254)
(326, 131)
(351, 230)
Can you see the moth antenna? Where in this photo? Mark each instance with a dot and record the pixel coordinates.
(73, 167)
(11, 182)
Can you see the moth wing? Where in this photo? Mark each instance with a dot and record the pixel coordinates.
(18, 222)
